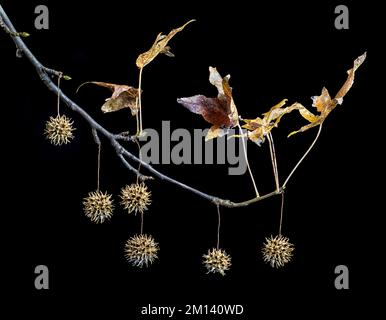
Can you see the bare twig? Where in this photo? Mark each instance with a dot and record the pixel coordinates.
(131, 168)
(125, 136)
(95, 136)
(11, 32)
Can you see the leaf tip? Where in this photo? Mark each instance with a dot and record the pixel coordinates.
(292, 133)
(190, 21)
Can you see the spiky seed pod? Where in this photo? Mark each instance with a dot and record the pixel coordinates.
(98, 206)
(135, 197)
(277, 251)
(217, 260)
(59, 130)
(141, 250)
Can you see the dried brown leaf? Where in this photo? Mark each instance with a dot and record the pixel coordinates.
(159, 46)
(221, 111)
(123, 97)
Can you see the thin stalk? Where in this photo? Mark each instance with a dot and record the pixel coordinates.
(99, 165)
(218, 227)
(305, 154)
(273, 159)
(140, 159)
(281, 212)
(58, 101)
(142, 223)
(246, 160)
(139, 130)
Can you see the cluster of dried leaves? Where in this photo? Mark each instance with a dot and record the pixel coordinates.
(125, 96)
(221, 111)
(222, 114)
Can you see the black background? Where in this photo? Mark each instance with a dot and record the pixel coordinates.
(272, 51)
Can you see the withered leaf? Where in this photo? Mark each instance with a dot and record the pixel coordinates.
(159, 46)
(123, 97)
(324, 104)
(258, 128)
(221, 111)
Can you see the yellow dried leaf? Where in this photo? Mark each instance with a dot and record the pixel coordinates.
(324, 104)
(159, 46)
(260, 127)
(309, 116)
(351, 75)
(214, 132)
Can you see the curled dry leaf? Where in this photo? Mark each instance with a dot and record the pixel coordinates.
(160, 45)
(221, 111)
(123, 97)
(324, 104)
(258, 128)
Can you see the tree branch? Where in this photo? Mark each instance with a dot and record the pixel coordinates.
(113, 138)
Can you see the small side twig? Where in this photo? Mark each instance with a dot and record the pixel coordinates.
(12, 33)
(125, 136)
(135, 171)
(56, 73)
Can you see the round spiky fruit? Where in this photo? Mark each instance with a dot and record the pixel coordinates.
(141, 250)
(277, 251)
(217, 261)
(59, 130)
(135, 197)
(98, 206)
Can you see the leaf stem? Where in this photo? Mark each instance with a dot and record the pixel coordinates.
(246, 159)
(305, 154)
(139, 130)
